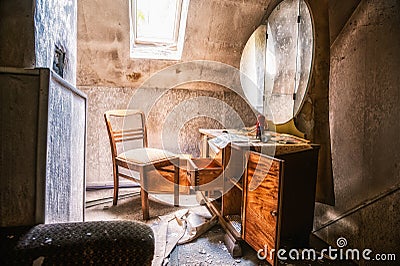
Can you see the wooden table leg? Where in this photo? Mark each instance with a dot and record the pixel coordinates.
(233, 245)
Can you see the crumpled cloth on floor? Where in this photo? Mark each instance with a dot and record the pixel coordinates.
(180, 228)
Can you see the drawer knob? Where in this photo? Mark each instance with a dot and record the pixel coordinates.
(274, 213)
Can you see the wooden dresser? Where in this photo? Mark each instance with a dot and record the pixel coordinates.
(270, 203)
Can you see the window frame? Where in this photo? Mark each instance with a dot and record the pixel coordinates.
(146, 48)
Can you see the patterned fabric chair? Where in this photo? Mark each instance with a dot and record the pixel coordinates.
(81, 243)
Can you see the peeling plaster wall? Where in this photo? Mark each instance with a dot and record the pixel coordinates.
(30, 30)
(216, 30)
(16, 34)
(56, 25)
(339, 14)
(365, 128)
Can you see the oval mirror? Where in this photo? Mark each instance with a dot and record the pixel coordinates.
(277, 61)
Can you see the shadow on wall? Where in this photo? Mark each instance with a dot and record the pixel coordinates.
(364, 123)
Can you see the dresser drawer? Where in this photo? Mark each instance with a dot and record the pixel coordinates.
(205, 174)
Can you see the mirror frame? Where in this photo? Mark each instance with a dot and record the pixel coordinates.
(264, 21)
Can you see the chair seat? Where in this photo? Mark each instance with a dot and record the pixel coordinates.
(146, 155)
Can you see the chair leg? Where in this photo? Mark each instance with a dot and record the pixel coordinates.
(116, 184)
(176, 183)
(145, 203)
(144, 195)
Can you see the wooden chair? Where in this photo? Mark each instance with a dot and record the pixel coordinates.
(141, 159)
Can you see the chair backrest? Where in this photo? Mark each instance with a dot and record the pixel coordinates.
(126, 132)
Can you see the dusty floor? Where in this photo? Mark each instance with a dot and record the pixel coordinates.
(209, 249)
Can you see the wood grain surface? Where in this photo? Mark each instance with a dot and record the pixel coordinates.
(261, 202)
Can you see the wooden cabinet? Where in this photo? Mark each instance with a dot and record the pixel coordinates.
(266, 201)
(261, 202)
(279, 200)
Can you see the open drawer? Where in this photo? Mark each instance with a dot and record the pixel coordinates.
(205, 174)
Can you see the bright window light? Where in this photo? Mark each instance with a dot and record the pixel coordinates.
(158, 28)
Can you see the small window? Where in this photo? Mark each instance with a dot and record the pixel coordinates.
(158, 28)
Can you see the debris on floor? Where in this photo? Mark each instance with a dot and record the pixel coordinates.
(179, 228)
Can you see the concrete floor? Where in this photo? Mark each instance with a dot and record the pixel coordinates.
(209, 249)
